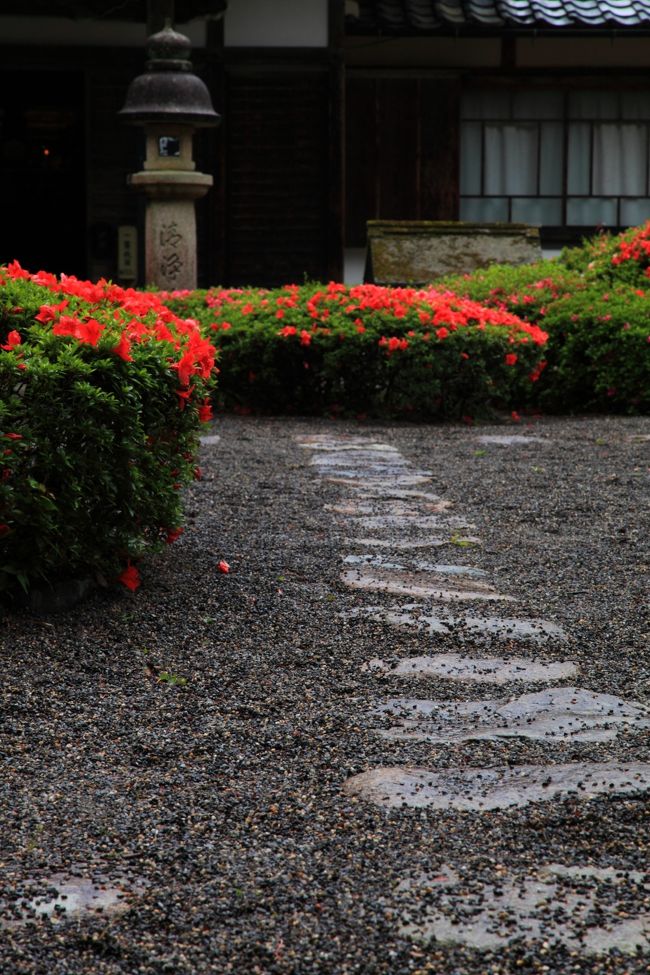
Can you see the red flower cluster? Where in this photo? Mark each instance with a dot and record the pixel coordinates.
(123, 317)
(634, 248)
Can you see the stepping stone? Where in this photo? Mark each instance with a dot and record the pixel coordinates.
(414, 584)
(485, 670)
(412, 615)
(483, 789)
(210, 440)
(71, 897)
(352, 478)
(366, 460)
(562, 713)
(415, 520)
(326, 442)
(401, 494)
(509, 439)
(408, 544)
(416, 565)
(415, 508)
(557, 905)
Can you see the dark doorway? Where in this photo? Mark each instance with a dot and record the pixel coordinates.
(42, 168)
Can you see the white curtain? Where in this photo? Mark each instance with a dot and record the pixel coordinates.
(620, 159)
(511, 159)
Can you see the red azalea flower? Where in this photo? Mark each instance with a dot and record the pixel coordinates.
(14, 270)
(510, 358)
(13, 436)
(173, 534)
(123, 348)
(183, 396)
(13, 340)
(205, 411)
(130, 577)
(48, 313)
(223, 567)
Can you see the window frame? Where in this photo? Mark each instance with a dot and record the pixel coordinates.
(563, 88)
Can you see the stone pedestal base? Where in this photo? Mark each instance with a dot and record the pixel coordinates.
(170, 244)
(170, 228)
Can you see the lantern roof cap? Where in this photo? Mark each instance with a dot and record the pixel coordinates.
(168, 91)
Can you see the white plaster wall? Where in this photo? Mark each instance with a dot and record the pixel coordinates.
(87, 33)
(276, 23)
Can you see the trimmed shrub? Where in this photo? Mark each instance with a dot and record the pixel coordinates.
(597, 355)
(622, 259)
(102, 390)
(526, 290)
(421, 353)
(599, 351)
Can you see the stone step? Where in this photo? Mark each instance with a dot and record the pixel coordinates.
(555, 714)
(485, 670)
(484, 789)
(556, 904)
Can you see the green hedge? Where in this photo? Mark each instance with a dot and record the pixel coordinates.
(365, 350)
(620, 259)
(102, 391)
(595, 306)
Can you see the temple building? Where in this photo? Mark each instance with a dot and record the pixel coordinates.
(334, 112)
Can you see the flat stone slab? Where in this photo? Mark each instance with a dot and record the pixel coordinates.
(367, 473)
(385, 492)
(424, 584)
(393, 507)
(412, 615)
(69, 897)
(408, 544)
(415, 519)
(485, 670)
(376, 483)
(326, 443)
(372, 460)
(210, 440)
(555, 905)
(556, 714)
(483, 789)
(508, 439)
(415, 565)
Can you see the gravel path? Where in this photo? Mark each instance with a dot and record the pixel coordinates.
(217, 825)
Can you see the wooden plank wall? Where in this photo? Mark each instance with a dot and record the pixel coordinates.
(278, 163)
(401, 151)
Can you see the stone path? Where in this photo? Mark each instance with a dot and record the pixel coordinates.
(388, 505)
(407, 733)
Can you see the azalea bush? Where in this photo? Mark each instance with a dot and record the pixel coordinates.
(599, 350)
(102, 391)
(526, 290)
(619, 259)
(596, 317)
(421, 353)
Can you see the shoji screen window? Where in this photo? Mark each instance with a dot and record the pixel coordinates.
(555, 158)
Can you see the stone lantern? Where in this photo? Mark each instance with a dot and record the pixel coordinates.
(170, 102)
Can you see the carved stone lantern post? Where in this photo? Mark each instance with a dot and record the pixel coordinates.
(170, 102)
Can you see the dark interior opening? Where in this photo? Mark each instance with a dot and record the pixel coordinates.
(42, 167)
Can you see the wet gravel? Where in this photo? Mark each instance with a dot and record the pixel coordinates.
(219, 801)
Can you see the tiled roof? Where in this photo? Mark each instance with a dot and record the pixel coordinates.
(430, 15)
